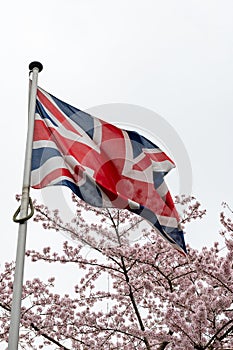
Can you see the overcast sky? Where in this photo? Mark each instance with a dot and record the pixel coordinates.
(174, 58)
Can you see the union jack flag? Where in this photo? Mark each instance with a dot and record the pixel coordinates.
(102, 164)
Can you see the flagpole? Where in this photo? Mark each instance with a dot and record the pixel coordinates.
(35, 68)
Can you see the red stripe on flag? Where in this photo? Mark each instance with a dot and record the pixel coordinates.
(41, 131)
(159, 157)
(53, 175)
(143, 164)
(55, 112)
(66, 146)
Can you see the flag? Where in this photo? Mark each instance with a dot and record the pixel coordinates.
(104, 165)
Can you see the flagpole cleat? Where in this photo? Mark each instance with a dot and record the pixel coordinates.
(35, 64)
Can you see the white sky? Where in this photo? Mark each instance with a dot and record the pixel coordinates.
(172, 57)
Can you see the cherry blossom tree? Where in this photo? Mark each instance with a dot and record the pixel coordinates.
(156, 298)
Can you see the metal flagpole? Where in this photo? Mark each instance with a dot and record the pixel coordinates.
(35, 68)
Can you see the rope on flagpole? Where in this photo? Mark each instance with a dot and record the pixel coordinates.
(27, 217)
